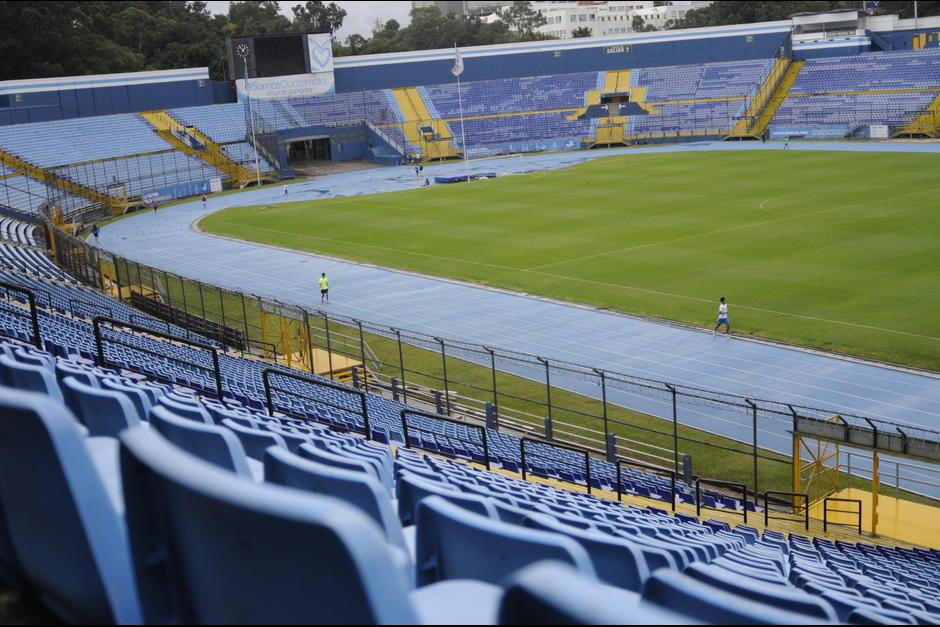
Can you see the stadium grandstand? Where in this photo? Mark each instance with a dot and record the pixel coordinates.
(175, 448)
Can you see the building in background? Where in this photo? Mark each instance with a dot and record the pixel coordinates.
(603, 19)
(463, 8)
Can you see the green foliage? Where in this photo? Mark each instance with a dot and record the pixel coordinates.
(581, 31)
(431, 29)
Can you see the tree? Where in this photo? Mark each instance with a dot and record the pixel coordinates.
(522, 18)
(582, 31)
(318, 17)
(257, 18)
(356, 43)
(639, 25)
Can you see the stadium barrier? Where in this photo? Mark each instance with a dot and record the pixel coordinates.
(11, 292)
(319, 394)
(610, 414)
(409, 430)
(178, 351)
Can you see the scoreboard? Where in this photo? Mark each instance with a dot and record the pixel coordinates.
(273, 55)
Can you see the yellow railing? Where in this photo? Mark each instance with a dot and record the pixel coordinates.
(171, 130)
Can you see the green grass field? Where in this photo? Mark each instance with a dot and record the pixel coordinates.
(837, 251)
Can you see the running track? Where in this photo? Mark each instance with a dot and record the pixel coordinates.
(518, 322)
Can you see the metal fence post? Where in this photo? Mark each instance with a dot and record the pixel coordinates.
(446, 382)
(493, 374)
(245, 320)
(753, 406)
(362, 352)
(401, 366)
(675, 427)
(603, 376)
(548, 386)
(329, 344)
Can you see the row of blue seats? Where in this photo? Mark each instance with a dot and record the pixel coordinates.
(456, 530)
(242, 379)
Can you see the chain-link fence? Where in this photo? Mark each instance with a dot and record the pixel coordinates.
(688, 430)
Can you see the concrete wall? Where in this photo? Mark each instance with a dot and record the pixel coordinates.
(560, 57)
(87, 96)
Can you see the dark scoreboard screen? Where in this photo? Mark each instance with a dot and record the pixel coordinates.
(269, 55)
(281, 55)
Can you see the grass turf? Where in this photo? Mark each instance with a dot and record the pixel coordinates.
(829, 249)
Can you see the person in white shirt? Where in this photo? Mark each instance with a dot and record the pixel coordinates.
(723, 319)
(285, 189)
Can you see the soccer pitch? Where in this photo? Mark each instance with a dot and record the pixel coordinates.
(833, 250)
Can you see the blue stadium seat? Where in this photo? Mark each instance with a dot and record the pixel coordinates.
(104, 412)
(410, 491)
(211, 548)
(255, 442)
(186, 409)
(71, 542)
(331, 458)
(553, 593)
(29, 377)
(136, 394)
(362, 491)
(712, 605)
(216, 445)
(780, 596)
(617, 562)
(453, 543)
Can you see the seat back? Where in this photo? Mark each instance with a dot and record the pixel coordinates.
(29, 378)
(411, 490)
(70, 540)
(65, 370)
(453, 543)
(617, 562)
(186, 409)
(216, 445)
(285, 468)
(328, 458)
(209, 547)
(104, 412)
(783, 597)
(254, 441)
(679, 593)
(551, 593)
(135, 395)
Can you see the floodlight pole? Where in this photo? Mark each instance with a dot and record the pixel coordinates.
(463, 132)
(251, 121)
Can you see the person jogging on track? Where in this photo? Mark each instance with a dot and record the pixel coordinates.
(723, 319)
(324, 289)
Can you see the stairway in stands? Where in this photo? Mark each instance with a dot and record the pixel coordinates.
(418, 116)
(780, 94)
(926, 124)
(49, 177)
(749, 126)
(174, 132)
(612, 130)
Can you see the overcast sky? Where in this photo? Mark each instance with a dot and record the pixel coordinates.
(359, 15)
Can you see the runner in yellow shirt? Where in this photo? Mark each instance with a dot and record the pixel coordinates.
(324, 289)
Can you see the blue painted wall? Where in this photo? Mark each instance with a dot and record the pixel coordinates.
(417, 72)
(80, 103)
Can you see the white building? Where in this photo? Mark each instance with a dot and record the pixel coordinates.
(660, 17)
(606, 19)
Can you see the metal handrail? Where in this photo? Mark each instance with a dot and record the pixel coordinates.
(97, 321)
(719, 484)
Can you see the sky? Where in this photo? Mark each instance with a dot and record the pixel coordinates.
(359, 15)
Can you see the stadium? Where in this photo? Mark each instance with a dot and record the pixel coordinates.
(430, 336)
